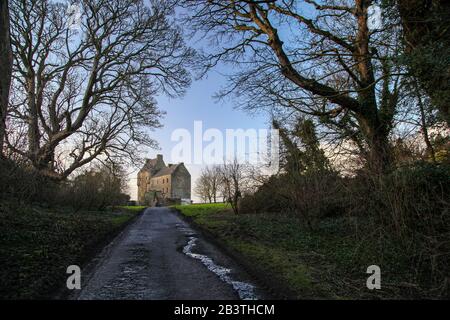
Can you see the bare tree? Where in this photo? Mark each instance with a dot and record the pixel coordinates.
(5, 67)
(85, 90)
(317, 58)
(202, 188)
(207, 185)
(233, 181)
(214, 178)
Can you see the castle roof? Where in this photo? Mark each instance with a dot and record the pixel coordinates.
(154, 165)
(149, 164)
(158, 168)
(166, 170)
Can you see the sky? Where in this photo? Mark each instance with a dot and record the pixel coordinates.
(200, 105)
(197, 105)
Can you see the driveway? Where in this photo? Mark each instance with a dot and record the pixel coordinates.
(160, 256)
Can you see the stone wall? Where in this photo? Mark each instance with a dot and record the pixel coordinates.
(162, 184)
(181, 183)
(143, 185)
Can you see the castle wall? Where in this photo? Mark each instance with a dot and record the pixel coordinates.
(181, 183)
(143, 185)
(162, 184)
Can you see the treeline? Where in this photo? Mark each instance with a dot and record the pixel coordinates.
(77, 87)
(96, 188)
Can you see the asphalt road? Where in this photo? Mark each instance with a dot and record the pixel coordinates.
(160, 256)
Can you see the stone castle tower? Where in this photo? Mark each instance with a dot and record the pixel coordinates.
(159, 184)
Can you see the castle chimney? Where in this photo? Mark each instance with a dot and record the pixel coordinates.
(159, 157)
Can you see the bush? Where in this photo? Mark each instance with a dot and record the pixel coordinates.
(24, 184)
(266, 198)
(94, 189)
(311, 195)
(407, 198)
(412, 198)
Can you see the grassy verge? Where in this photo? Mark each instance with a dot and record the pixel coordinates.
(136, 209)
(37, 245)
(300, 263)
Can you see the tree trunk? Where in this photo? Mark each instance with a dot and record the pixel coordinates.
(33, 120)
(373, 125)
(5, 68)
(379, 155)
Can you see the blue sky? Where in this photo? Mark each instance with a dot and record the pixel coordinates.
(198, 104)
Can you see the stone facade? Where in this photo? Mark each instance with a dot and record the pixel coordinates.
(159, 184)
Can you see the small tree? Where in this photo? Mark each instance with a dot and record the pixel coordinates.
(308, 178)
(303, 153)
(233, 180)
(207, 185)
(214, 177)
(202, 188)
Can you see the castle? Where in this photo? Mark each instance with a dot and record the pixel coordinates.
(159, 184)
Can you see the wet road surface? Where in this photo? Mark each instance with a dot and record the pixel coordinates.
(159, 256)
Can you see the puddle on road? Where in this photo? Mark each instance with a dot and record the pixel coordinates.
(244, 290)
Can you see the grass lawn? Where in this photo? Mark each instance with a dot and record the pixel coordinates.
(136, 209)
(202, 210)
(37, 245)
(299, 263)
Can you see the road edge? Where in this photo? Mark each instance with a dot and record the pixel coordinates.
(94, 258)
(275, 290)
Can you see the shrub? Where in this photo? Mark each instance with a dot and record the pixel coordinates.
(311, 195)
(24, 184)
(94, 189)
(411, 198)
